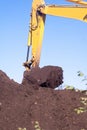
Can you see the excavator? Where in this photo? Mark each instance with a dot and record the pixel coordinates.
(37, 24)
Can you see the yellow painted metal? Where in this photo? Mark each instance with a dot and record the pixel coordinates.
(34, 20)
(35, 36)
(37, 22)
(74, 12)
(81, 2)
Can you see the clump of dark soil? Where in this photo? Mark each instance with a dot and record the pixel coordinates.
(35, 104)
(48, 76)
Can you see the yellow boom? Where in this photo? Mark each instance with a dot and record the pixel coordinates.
(81, 2)
(37, 23)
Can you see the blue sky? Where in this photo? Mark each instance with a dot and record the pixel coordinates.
(64, 42)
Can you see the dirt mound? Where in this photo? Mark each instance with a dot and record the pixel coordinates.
(27, 106)
(5, 80)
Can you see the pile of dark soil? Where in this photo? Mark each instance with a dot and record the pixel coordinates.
(34, 105)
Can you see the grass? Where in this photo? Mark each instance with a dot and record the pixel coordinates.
(80, 110)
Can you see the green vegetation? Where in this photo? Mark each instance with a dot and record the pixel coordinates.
(84, 77)
(69, 87)
(80, 110)
(37, 126)
(22, 128)
(84, 100)
(81, 74)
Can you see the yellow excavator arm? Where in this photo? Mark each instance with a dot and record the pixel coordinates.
(37, 23)
(79, 13)
(81, 2)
